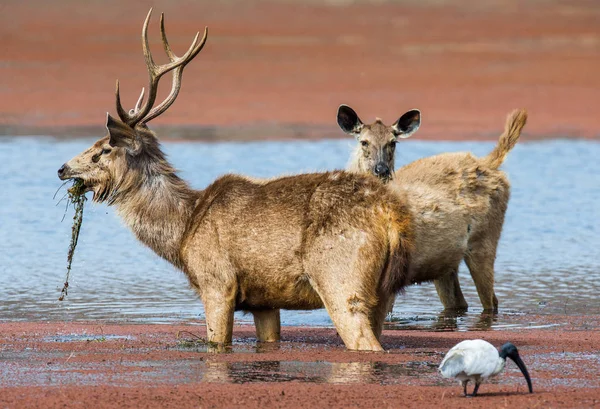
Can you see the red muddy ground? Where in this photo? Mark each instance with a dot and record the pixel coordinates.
(280, 69)
(102, 365)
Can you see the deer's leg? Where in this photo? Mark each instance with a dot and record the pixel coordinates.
(379, 313)
(219, 308)
(268, 325)
(448, 289)
(480, 260)
(351, 314)
(344, 269)
(352, 322)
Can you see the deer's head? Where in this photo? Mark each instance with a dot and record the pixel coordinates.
(129, 150)
(377, 142)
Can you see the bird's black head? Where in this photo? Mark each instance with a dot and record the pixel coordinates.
(508, 350)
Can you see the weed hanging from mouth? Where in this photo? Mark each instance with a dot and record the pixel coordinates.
(76, 195)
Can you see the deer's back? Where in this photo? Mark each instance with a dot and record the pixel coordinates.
(454, 199)
(267, 229)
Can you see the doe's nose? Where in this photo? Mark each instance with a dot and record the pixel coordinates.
(381, 169)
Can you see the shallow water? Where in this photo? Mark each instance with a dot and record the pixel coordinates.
(548, 258)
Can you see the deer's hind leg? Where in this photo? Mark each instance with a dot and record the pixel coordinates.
(346, 272)
(481, 253)
(352, 318)
(448, 289)
(480, 260)
(483, 244)
(268, 325)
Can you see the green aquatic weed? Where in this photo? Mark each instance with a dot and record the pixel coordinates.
(76, 195)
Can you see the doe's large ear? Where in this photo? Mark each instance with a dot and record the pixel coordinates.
(122, 135)
(407, 124)
(348, 120)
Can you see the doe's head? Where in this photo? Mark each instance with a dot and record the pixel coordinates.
(130, 151)
(376, 142)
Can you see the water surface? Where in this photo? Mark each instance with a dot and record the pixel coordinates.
(548, 258)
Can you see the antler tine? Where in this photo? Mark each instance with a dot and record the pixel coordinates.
(138, 104)
(163, 34)
(178, 73)
(120, 111)
(152, 74)
(155, 72)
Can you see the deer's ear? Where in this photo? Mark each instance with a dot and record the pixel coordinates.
(348, 120)
(408, 124)
(122, 135)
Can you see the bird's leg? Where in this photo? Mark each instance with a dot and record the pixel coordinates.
(476, 388)
(464, 385)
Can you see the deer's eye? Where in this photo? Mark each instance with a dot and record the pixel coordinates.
(364, 143)
(106, 151)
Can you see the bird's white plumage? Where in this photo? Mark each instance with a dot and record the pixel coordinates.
(472, 360)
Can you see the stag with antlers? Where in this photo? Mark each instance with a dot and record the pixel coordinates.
(336, 240)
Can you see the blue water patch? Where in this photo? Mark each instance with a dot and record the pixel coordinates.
(548, 258)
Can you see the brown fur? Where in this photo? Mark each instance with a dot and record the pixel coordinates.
(458, 202)
(335, 239)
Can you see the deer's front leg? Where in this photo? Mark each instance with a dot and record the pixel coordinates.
(268, 325)
(219, 306)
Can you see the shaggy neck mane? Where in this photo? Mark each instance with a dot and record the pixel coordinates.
(155, 203)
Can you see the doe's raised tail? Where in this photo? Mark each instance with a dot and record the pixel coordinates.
(515, 122)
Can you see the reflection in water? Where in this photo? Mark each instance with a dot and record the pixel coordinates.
(447, 320)
(29, 368)
(315, 372)
(548, 258)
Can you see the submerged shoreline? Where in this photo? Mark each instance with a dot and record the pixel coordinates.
(274, 132)
(102, 365)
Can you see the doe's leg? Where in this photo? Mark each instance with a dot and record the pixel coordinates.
(480, 260)
(448, 289)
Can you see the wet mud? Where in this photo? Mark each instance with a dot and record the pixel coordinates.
(103, 365)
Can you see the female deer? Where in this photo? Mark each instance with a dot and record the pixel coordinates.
(458, 201)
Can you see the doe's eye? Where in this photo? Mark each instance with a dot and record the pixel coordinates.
(106, 151)
(364, 143)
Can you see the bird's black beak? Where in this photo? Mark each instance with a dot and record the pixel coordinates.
(517, 359)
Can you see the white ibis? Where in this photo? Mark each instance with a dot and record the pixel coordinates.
(476, 360)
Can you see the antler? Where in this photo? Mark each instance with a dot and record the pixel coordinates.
(142, 113)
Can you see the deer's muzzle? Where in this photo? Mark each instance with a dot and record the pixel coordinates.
(382, 170)
(63, 172)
